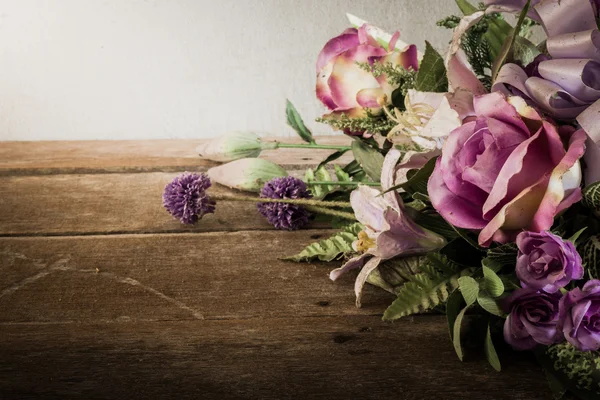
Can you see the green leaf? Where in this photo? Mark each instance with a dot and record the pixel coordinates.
(328, 249)
(498, 31)
(556, 386)
(418, 181)
(590, 255)
(433, 222)
(392, 274)
(456, 329)
(507, 47)
(576, 235)
(453, 307)
(332, 157)
(432, 72)
(524, 52)
(419, 295)
(341, 175)
(490, 351)
(466, 7)
(493, 265)
(591, 196)
(369, 159)
(469, 289)
(295, 121)
(493, 283)
(490, 305)
(505, 254)
(319, 175)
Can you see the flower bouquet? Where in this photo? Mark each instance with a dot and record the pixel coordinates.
(474, 188)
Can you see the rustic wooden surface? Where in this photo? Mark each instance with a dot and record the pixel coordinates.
(103, 295)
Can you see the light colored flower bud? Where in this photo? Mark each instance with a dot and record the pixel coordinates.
(249, 174)
(232, 146)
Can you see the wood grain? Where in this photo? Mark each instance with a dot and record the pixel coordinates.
(108, 203)
(84, 157)
(341, 357)
(234, 275)
(212, 315)
(104, 295)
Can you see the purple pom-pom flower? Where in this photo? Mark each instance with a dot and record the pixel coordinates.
(546, 261)
(185, 197)
(281, 215)
(532, 319)
(579, 318)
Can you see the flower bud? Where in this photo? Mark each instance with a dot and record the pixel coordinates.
(249, 174)
(232, 146)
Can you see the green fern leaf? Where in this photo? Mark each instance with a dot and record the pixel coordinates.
(591, 196)
(329, 249)
(419, 295)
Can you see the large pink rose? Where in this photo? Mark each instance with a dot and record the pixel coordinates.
(344, 87)
(506, 171)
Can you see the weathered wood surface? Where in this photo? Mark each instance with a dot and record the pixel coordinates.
(83, 157)
(103, 295)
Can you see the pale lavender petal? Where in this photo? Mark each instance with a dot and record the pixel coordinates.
(351, 264)
(566, 16)
(362, 278)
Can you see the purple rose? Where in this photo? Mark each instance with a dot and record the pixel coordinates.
(532, 320)
(580, 316)
(545, 261)
(506, 171)
(347, 89)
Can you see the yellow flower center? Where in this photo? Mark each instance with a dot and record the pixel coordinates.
(364, 242)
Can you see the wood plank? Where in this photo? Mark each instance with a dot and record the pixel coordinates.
(169, 277)
(55, 157)
(108, 203)
(214, 315)
(343, 357)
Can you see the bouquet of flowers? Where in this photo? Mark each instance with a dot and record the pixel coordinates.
(475, 185)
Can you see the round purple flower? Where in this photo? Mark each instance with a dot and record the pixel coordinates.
(281, 215)
(580, 316)
(185, 197)
(546, 261)
(532, 319)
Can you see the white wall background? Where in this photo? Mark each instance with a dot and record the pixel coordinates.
(150, 69)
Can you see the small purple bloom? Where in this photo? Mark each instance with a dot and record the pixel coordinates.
(532, 320)
(185, 197)
(546, 261)
(580, 316)
(281, 215)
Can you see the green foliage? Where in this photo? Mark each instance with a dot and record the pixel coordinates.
(456, 336)
(295, 121)
(492, 283)
(332, 157)
(417, 180)
(453, 308)
(490, 305)
(369, 159)
(371, 124)
(392, 274)
(591, 196)
(320, 174)
(469, 288)
(432, 72)
(420, 294)
(575, 370)
(507, 47)
(466, 7)
(329, 249)
(590, 255)
(505, 254)
(396, 75)
(490, 351)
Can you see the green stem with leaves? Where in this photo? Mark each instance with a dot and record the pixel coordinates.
(342, 183)
(301, 202)
(314, 146)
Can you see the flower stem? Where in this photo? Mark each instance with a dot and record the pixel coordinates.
(343, 183)
(308, 146)
(329, 211)
(301, 202)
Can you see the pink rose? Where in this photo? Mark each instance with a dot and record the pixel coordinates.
(346, 88)
(506, 171)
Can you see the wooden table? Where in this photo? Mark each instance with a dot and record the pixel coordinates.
(104, 295)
